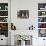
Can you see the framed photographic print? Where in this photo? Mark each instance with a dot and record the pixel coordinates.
(23, 14)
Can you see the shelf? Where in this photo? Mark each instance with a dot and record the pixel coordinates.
(3, 10)
(42, 16)
(41, 28)
(3, 16)
(41, 10)
(41, 22)
(4, 19)
(3, 22)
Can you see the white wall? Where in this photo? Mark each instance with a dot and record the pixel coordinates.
(23, 24)
(3, 1)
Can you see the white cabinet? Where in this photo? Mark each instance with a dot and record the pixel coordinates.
(3, 40)
(42, 24)
(42, 19)
(41, 41)
(4, 21)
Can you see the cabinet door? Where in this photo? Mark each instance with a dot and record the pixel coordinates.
(41, 42)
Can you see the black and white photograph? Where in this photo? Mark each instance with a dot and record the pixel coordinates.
(23, 14)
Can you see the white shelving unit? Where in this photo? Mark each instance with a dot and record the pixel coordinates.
(3, 14)
(41, 10)
(41, 22)
(4, 22)
(41, 28)
(3, 10)
(42, 18)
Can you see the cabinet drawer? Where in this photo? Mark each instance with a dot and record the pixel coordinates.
(3, 41)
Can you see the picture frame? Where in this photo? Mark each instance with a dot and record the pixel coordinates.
(23, 14)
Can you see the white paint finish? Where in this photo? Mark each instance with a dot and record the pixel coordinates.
(38, 41)
(22, 43)
(23, 24)
(9, 14)
(26, 32)
(4, 41)
(21, 32)
(41, 41)
(12, 37)
(3, 1)
(9, 38)
(34, 41)
(41, 1)
(32, 6)
(12, 10)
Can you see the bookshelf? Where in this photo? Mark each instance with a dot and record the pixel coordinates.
(42, 19)
(4, 19)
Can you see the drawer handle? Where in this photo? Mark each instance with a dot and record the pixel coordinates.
(1, 39)
(43, 39)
